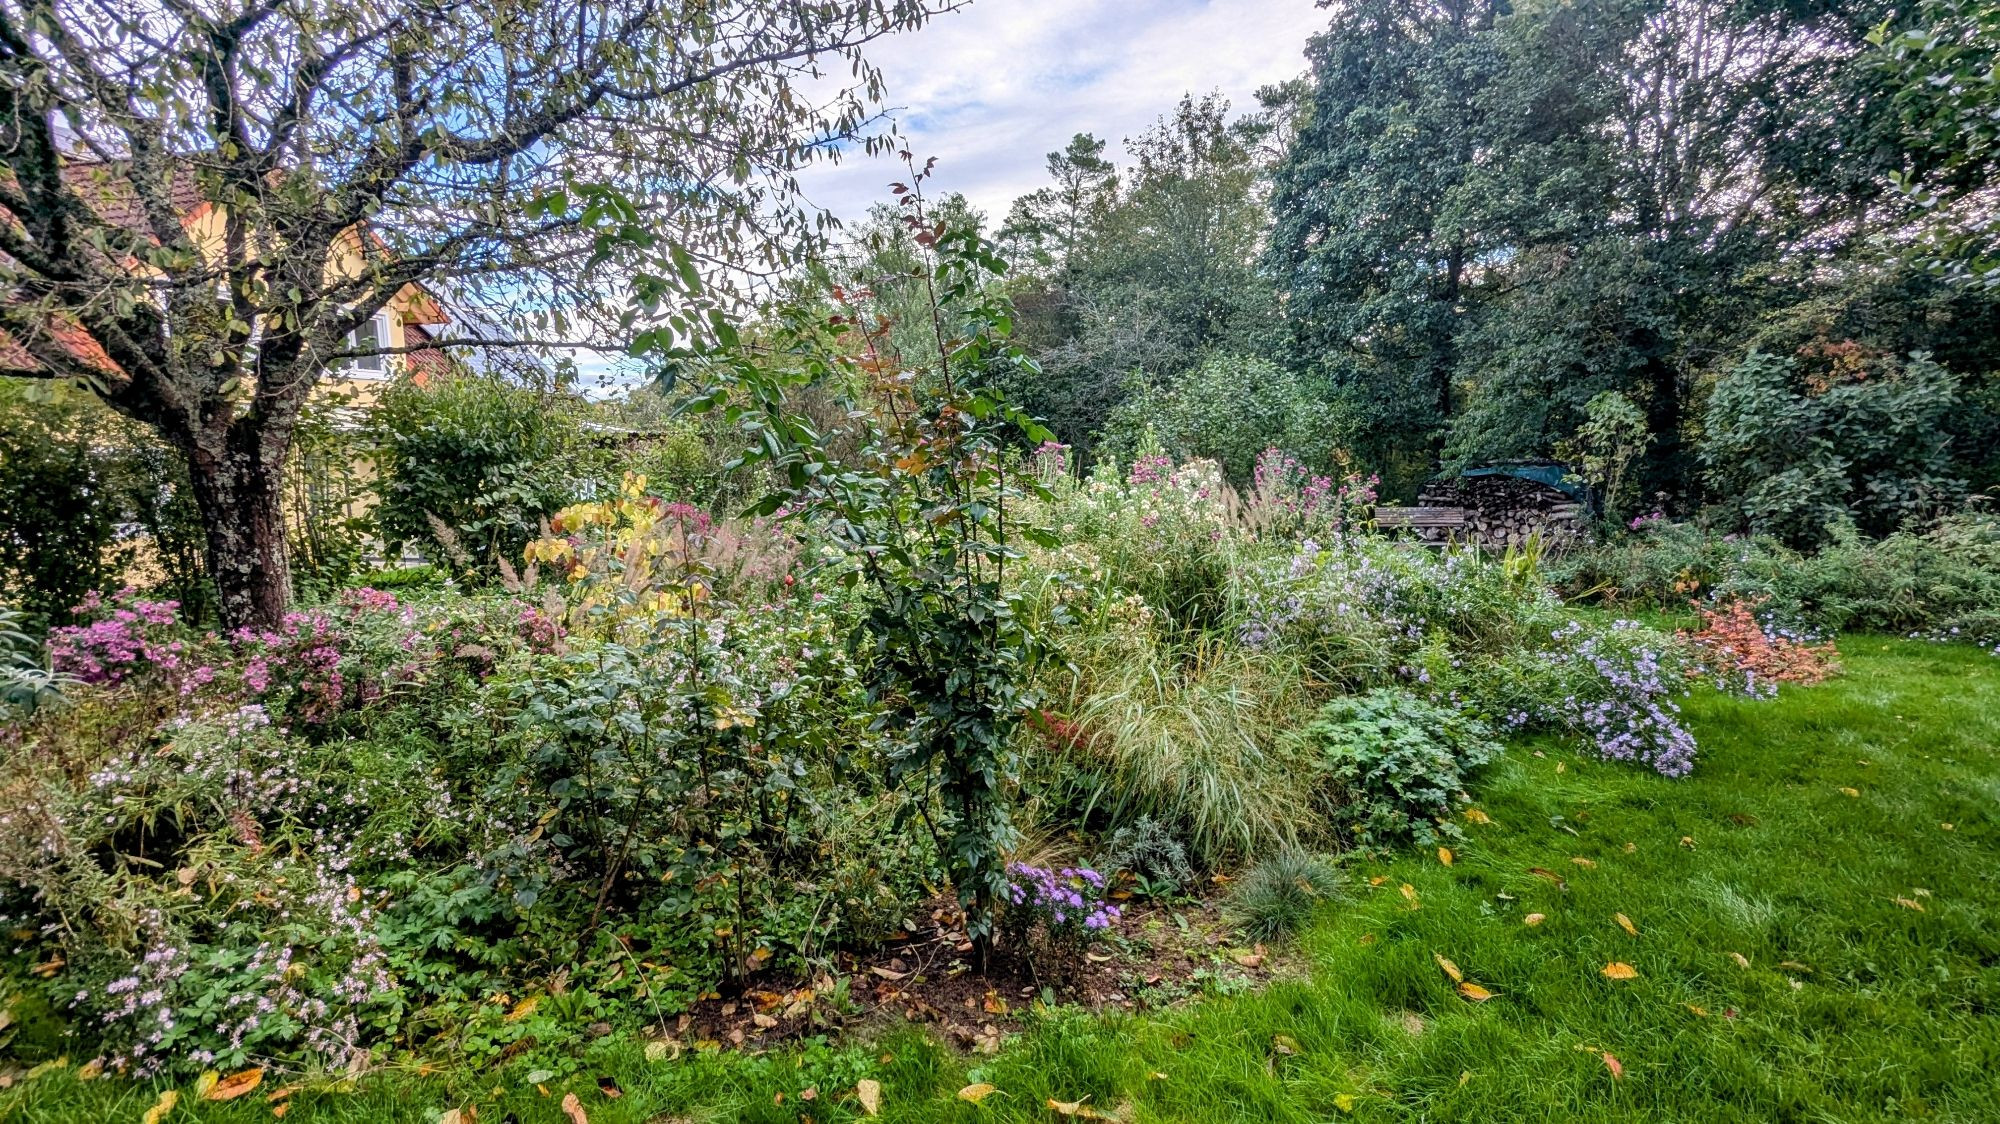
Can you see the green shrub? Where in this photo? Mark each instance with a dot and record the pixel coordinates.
(1149, 851)
(470, 466)
(1839, 435)
(1278, 896)
(1943, 580)
(1396, 765)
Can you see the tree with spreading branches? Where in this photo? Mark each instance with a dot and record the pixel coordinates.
(490, 150)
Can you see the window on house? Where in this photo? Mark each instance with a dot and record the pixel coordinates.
(373, 332)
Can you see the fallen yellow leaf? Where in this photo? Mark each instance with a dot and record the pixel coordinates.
(977, 1092)
(1376, 880)
(1474, 815)
(1078, 1109)
(1906, 903)
(161, 1107)
(869, 1092)
(1344, 1101)
(1534, 919)
(1444, 855)
(1851, 791)
(1450, 969)
(206, 1082)
(1625, 923)
(1284, 1045)
(1409, 892)
(1701, 1012)
(573, 1109)
(1474, 992)
(1619, 970)
(1587, 864)
(523, 1009)
(1742, 961)
(234, 1085)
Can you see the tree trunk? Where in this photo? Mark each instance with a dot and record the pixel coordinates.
(239, 487)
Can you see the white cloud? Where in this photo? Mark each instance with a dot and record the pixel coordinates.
(991, 90)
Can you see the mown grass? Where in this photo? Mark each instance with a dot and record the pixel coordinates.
(1853, 1007)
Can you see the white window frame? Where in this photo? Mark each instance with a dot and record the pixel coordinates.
(356, 367)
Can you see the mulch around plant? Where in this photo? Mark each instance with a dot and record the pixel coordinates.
(1158, 957)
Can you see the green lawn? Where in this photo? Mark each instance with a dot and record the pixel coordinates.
(1805, 822)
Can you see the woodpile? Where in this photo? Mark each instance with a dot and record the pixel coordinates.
(1495, 511)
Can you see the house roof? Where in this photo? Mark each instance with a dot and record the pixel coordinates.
(100, 186)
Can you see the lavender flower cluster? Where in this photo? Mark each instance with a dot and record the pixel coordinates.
(1628, 712)
(1069, 904)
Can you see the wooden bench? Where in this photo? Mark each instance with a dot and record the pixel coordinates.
(1421, 519)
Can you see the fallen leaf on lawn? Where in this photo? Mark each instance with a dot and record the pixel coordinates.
(1619, 970)
(90, 1070)
(1625, 923)
(524, 1008)
(993, 1004)
(1906, 903)
(1630, 848)
(1544, 872)
(1699, 1011)
(1587, 864)
(1946, 827)
(977, 1092)
(161, 1107)
(1851, 791)
(1562, 767)
(48, 969)
(1474, 815)
(573, 1109)
(1284, 1045)
(1450, 969)
(1249, 959)
(1367, 938)
(1409, 892)
(537, 1076)
(809, 1093)
(451, 1116)
(1794, 965)
(608, 1085)
(47, 1067)
(1078, 1109)
(1688, 842)
(234, 1085)
(1156, 1075)
(1344, 1101)
(206, 1082)
(869, 1092)
(1444, 855)
(1474, 992)
(661, 1048)
(1611, 1063)
(281, 1110)
(1534, 919)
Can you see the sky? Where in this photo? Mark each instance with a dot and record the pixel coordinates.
(992, 89)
